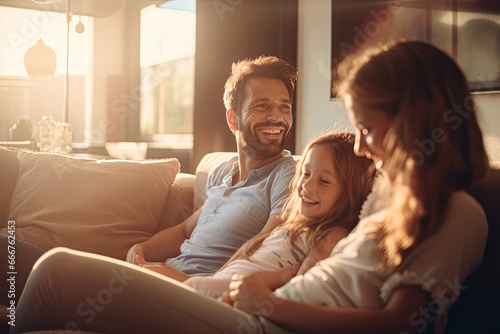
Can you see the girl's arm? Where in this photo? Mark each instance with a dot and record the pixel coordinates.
(276, 278)
(323, 249)
(405, 311)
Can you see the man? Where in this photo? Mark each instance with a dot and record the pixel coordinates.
(244, 195)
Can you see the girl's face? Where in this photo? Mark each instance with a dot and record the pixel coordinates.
(371, 127)
(318, 187)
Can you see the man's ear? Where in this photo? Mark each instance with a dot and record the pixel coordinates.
(231, 120)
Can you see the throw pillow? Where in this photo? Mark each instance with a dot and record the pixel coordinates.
(99, 206)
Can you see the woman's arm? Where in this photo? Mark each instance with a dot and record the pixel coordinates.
(271, 279)
(323, 249)
(403, 311)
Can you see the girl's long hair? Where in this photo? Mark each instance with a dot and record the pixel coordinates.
(434, 145)
(356, 176)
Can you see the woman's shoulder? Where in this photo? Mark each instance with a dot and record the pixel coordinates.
(463, 214)
(461, 202)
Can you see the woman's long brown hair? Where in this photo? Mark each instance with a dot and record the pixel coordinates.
(434, 145)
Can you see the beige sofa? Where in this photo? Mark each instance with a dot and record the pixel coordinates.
(106, 206)
(99, 206)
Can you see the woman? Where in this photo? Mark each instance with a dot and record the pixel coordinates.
(420, 235)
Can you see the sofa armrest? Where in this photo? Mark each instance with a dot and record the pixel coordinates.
(179, 205)
(206, 165)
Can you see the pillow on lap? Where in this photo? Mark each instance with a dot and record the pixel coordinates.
(90, 205)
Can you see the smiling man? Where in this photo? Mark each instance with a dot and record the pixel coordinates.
(245, 195)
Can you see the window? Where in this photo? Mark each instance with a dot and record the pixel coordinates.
(21, 96)
(167, 73)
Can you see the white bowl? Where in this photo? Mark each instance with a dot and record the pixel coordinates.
(127, 150)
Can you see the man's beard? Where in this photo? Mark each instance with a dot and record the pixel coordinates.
(256, 149)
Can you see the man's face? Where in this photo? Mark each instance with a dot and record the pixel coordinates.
(266, 118)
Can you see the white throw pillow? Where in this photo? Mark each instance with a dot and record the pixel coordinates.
(99, 206)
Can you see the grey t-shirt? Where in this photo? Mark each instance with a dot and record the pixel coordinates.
(233, 214)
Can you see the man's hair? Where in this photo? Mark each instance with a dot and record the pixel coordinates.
(261, 67)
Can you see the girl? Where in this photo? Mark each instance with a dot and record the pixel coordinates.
(327, 191)
(420, 234)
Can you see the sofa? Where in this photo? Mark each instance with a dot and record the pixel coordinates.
(98, 206)
(106, 206)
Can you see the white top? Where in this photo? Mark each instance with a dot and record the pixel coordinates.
(351, 277)
(274, 253)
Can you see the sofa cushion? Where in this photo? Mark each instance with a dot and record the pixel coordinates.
(180, 201)
(85, 204)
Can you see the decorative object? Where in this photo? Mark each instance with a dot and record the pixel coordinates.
(127, 150)
(63, 138)
(21, 130)
(40, 61)
(46, 127)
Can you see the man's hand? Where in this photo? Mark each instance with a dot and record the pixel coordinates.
(133, 252)
(161, 268)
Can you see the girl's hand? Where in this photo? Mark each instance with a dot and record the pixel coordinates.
(250, 293)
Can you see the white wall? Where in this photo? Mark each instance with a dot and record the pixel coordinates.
(317, 113)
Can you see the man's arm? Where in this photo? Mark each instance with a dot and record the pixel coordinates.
(166, 243)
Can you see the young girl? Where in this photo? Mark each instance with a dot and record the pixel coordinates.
(328, 189)
(420, 234)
